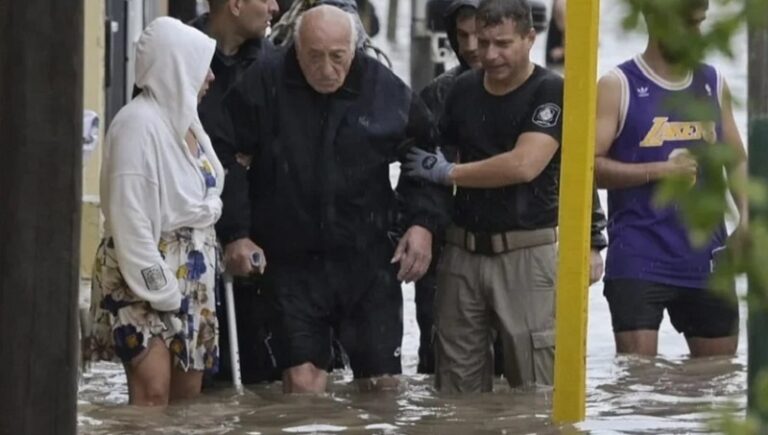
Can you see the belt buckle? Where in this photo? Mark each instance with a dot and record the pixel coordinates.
(483, 243)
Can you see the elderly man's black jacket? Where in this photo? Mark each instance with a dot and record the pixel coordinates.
(319, 182)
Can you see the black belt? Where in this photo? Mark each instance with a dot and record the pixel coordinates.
(498, 243)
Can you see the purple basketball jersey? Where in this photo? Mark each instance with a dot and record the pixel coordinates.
(648, 242)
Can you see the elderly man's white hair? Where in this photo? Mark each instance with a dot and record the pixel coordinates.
(354, 20)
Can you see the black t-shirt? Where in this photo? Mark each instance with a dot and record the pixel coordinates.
(481, 125)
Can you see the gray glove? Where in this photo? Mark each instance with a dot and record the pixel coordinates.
(429, 166)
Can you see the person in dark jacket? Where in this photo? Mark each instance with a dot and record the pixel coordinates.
(323, 122)
(238, 27)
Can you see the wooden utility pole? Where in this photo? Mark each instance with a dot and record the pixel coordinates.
(757, 322)
(41, 110)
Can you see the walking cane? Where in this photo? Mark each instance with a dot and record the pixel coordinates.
(234, 347)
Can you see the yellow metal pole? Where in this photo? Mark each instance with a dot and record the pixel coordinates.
(576, 177)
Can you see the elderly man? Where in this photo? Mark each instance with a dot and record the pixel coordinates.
(324, 122)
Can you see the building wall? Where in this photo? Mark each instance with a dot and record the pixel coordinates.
(93, 99)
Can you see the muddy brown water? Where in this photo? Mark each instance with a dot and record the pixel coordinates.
(667, 394)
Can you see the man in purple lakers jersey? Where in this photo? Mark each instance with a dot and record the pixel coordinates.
(642, 138)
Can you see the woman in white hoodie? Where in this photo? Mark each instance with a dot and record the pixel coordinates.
(153, 280)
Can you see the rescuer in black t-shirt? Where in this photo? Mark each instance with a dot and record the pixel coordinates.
(498, 268)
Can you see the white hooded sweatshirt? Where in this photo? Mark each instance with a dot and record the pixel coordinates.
(150, 182)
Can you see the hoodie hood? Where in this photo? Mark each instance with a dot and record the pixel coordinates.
(450, 24)
(172, 61)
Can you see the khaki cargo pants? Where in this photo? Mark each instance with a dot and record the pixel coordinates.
(512, 293)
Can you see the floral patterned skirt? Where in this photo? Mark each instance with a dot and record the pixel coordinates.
(124, 324)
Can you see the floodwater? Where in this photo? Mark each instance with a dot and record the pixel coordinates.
(667, 394)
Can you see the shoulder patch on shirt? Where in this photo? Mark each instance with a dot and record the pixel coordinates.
(154, 277)
(547, 115)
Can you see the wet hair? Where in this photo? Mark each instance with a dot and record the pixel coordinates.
(465, 12)
(494, 12)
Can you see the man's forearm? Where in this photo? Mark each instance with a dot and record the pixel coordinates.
(612, 174)
(498, 171)
(423, 203)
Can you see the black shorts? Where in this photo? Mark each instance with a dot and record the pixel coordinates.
(637, 304)
(356, 300)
